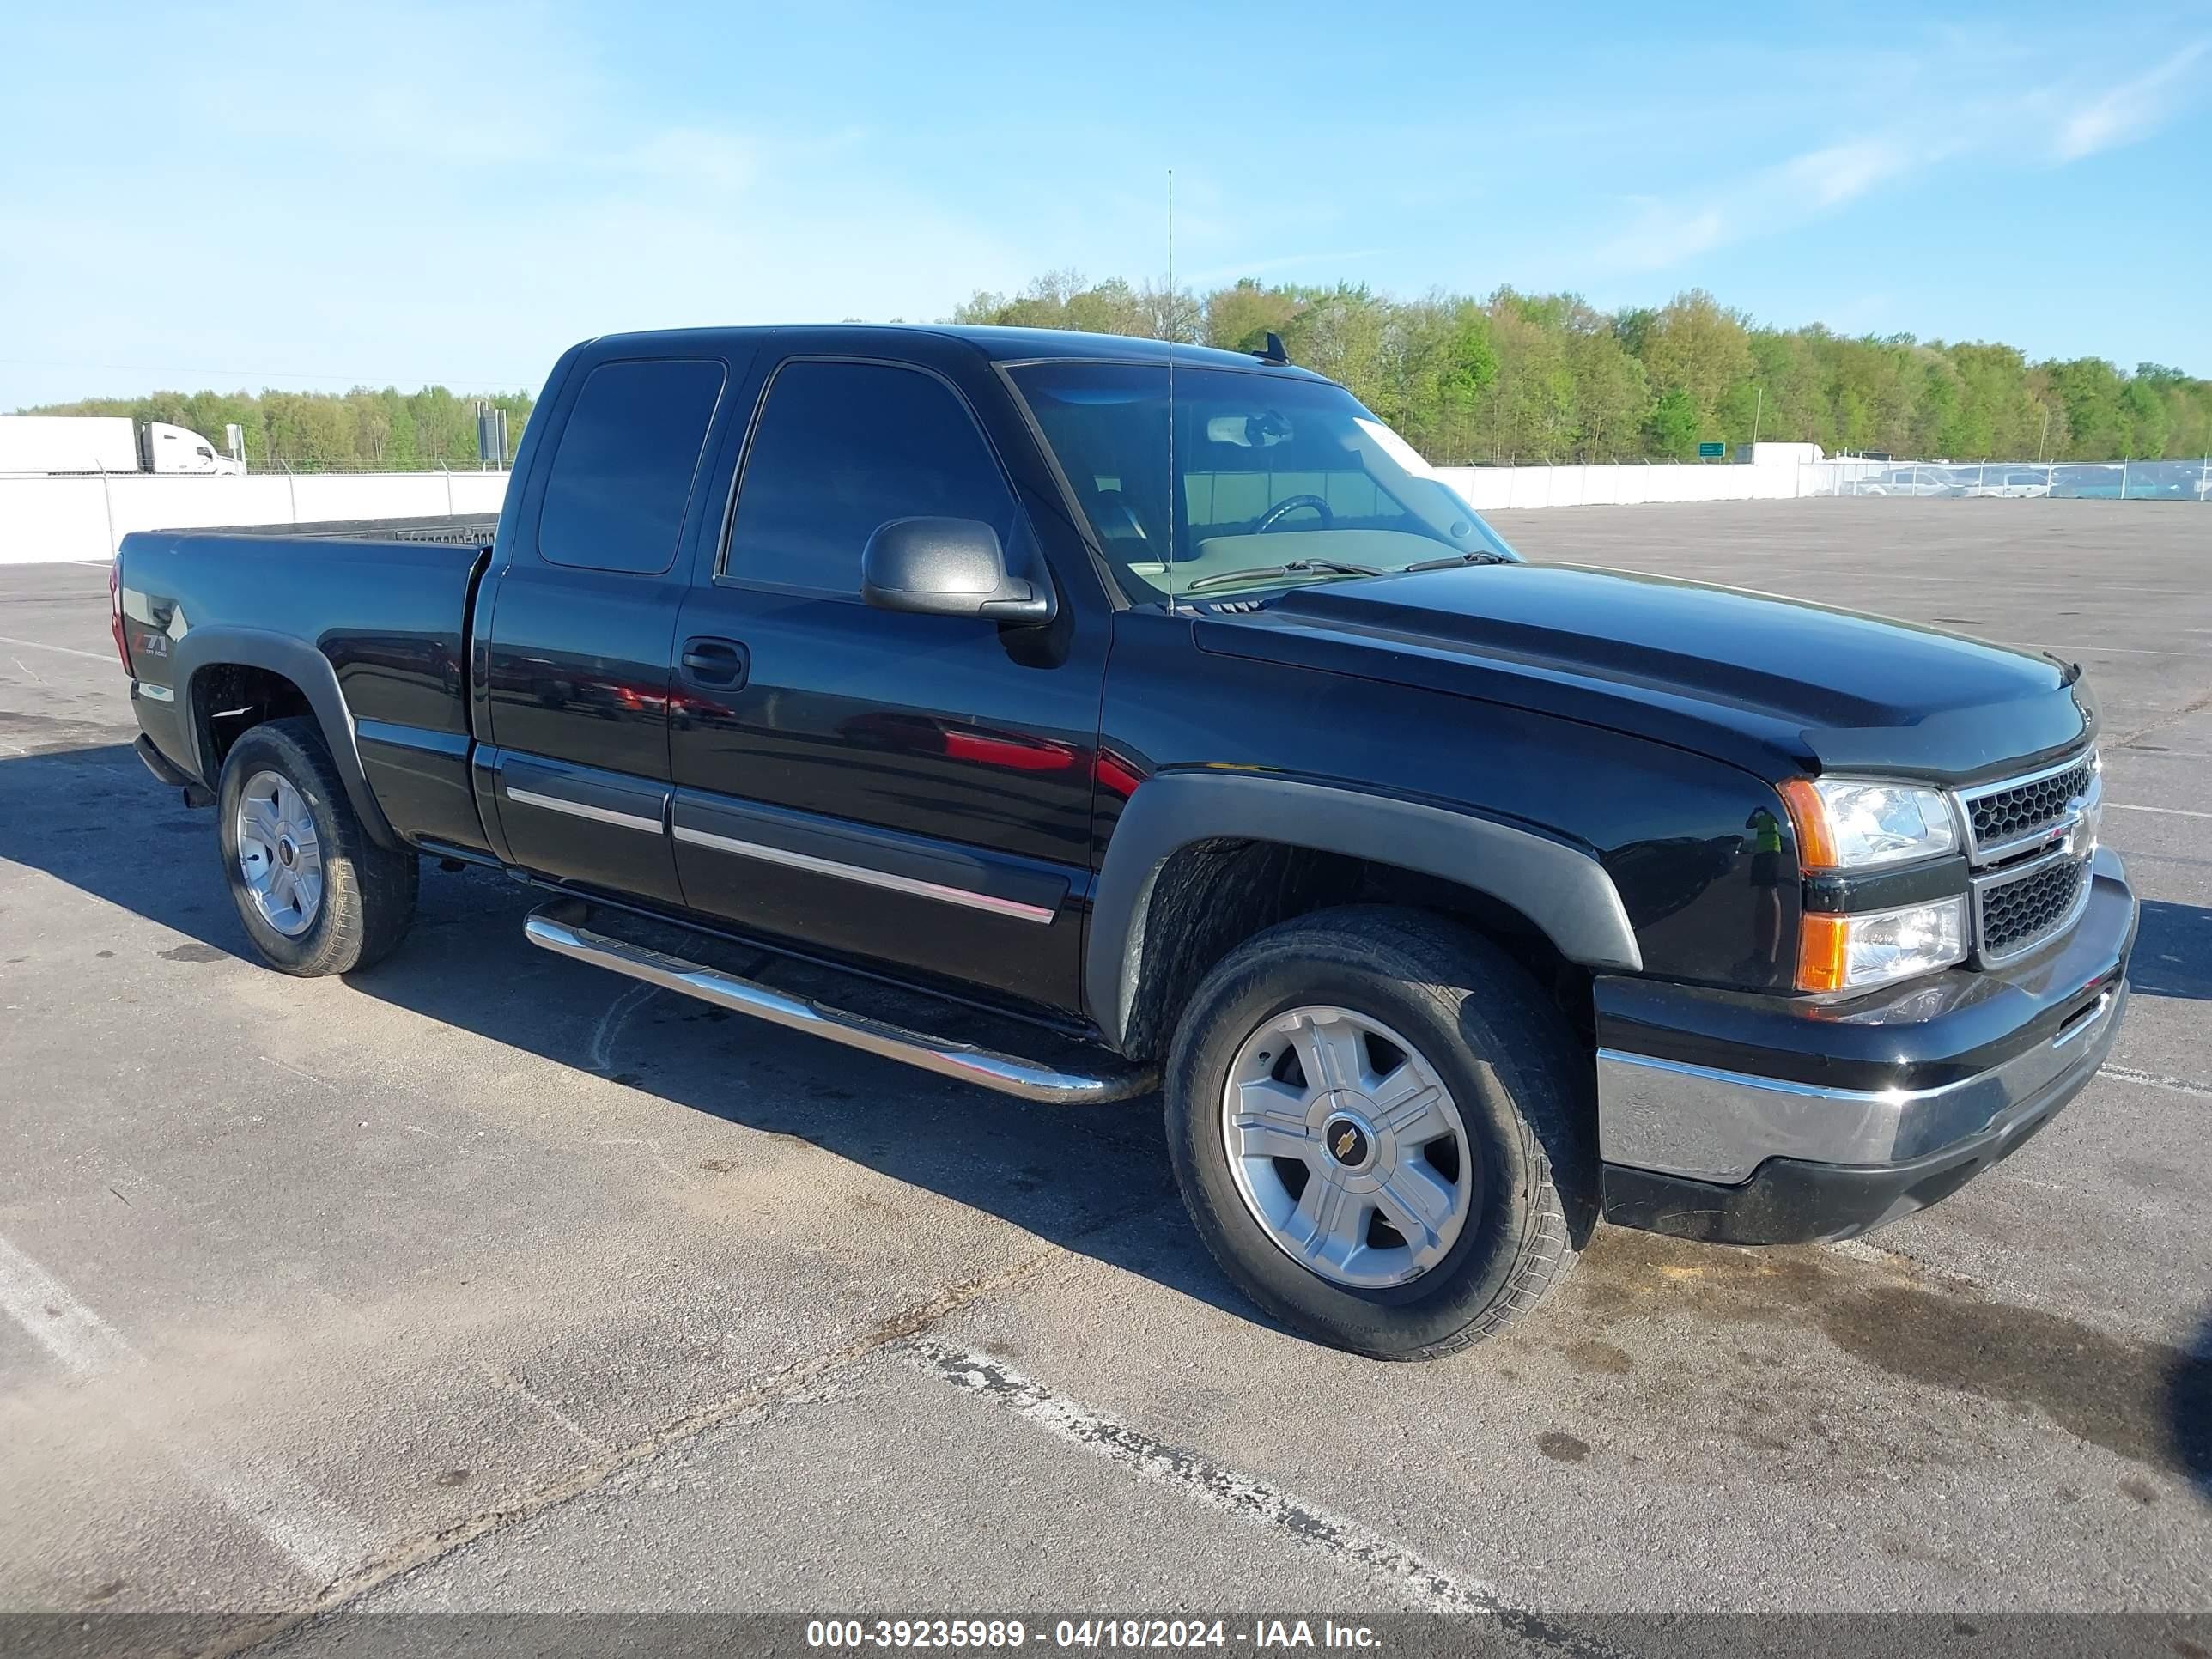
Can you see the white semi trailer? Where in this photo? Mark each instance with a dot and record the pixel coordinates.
(102, 443)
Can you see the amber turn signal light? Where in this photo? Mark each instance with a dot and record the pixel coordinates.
(1809, 816)
(1823, 950)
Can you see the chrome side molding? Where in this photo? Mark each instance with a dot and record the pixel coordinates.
(577, 809)
(862, 873)
(559, 927)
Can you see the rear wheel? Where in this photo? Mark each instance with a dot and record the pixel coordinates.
(316, 894)
(1378, 1121)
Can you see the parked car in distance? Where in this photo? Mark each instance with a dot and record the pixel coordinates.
(1182, 732)
(2008, 482)
(1915, 478)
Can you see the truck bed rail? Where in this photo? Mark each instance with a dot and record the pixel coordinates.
(466, 529)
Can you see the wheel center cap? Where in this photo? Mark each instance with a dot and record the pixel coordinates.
(1350, 1142)
(286, 852)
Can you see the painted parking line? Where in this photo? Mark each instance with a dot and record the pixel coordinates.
(65, 650)
(2126, 651)
(294, 1518)
(2180, 1085)
(1344, 1542)
(72, 1333)
(2163, 811)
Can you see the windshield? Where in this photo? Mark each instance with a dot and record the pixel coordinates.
(1270, 471)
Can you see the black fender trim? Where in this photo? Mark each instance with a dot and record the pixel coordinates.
(307, 668)
(1561, 888)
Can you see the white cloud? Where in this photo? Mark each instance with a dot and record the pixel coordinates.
(1779, 196)
(2128, 112)
(1771, 198)
(367, 224)
(1663, 235)
(1842, 172)
(1954, 114)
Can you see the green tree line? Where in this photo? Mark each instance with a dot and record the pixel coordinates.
(1547, 377)
(1509, 377)
(310, 430)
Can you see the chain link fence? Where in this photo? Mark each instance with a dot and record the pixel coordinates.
(413, 464)
(2115, 481)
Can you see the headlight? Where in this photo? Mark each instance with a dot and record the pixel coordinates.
(1846, 953)
(1846, 823)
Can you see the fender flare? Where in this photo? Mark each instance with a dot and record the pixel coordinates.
(307, 668)
(1561, 888)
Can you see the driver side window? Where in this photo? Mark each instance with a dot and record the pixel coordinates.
(841, 448)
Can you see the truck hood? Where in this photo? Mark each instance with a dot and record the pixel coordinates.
(1778, 685)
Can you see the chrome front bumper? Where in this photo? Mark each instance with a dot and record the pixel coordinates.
(1705, 1094)
(1718, 1126)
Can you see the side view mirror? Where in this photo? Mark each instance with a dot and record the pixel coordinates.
(947, 567)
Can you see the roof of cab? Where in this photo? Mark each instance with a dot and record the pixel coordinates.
(997, 345)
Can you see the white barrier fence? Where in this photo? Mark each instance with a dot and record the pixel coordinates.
(1510, 489)
(44, 519)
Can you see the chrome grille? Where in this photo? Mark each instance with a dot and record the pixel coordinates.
(2018, 911)
(2030, 839)
(2004, 816)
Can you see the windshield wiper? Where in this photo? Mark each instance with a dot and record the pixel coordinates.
(1459, 559)
(1295, 568)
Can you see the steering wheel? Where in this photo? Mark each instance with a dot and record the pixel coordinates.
(1289, 505)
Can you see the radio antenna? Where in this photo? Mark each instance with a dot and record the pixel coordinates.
(1170, 315)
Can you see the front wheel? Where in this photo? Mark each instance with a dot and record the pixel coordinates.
(1378, 1123)
(318, 896)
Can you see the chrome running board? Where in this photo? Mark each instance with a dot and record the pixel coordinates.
(559, 926)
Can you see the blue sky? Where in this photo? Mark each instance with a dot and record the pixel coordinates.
(305, 196)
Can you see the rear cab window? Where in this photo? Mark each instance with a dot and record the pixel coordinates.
(623, 471)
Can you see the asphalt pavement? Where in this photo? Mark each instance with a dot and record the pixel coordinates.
(484, 1282)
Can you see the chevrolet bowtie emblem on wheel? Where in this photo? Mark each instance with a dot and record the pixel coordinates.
(1346, 1142)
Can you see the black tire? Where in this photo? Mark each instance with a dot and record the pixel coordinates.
(368, 890)
(1522, 1085)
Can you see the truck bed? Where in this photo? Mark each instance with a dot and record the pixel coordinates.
(390, 680)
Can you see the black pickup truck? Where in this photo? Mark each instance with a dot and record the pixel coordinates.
(1167, 713)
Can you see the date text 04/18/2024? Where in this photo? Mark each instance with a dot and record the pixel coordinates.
(1115, 1634)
